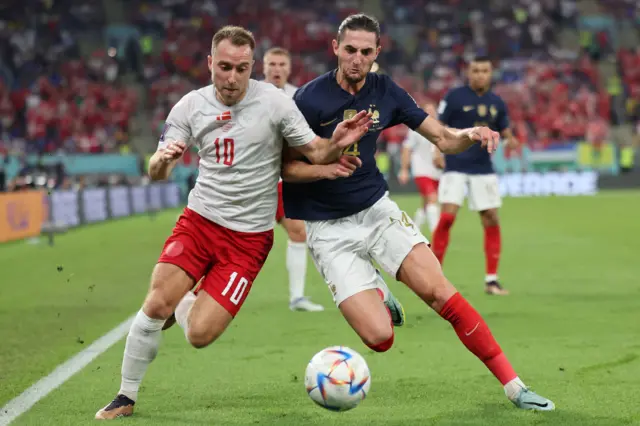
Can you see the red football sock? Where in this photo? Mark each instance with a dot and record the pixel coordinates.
(441, 235)
(492, 245)
(476, 336)
(384, 346)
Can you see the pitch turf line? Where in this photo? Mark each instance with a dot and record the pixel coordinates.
(27, 399)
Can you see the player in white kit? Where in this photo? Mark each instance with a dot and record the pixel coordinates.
(426, 169)
(277, 69)
(226, 231)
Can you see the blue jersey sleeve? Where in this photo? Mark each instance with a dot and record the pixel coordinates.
(301, 99)
(445, 109)
(407, 110)
(502, 121)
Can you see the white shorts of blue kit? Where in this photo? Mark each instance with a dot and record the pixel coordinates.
(343, 249)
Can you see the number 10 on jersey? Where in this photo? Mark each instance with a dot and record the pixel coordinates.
(226, 147)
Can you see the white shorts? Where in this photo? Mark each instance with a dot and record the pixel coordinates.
(343, 249)
(483, 190)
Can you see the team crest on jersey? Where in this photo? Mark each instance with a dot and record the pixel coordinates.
(482, 110)
(375, 114)
(493, 111)
(349, 114)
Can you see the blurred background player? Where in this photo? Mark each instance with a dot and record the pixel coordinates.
(277, 68)
(471, 172)
(426, 169)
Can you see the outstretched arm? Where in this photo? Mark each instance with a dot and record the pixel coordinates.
(453, 141)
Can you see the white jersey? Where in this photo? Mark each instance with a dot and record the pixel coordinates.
(289, 89)
(240, 149)
(422, 156)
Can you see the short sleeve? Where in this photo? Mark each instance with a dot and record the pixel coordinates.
(177, 127)
(291, 122)
(407, 110)
(502, 121)
(445, 109)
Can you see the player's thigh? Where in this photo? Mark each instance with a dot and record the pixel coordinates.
(340, 255)
(183, 261)
(422, 273)
(208, 319)
(366, 314)
(295, 230)
(452, 188)
(392, 234)
(239, 260)
(484, 192)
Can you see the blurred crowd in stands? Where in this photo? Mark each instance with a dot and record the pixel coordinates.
(55, 97)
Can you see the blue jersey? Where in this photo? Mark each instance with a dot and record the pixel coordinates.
(462, 108)
(325, 104)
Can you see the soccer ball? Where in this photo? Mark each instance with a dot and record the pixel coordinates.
(337, 378)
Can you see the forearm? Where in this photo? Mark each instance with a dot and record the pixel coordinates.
(158, 168)
(448, 140)
(454, 141)
(296, 171)
(405, 159)
(323, 151)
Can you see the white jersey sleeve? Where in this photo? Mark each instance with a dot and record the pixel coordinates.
(422, 156)
(290, 121)
(177, 127)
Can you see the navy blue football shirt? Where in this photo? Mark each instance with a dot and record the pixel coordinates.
(462, 108)
(325, 104)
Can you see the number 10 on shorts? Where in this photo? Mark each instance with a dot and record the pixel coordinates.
(239, 289)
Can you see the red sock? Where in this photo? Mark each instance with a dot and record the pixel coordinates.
(492, 248)
(384, 346)
(441, 235)
(476, 336)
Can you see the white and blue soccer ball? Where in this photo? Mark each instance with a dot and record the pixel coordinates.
(337, 378)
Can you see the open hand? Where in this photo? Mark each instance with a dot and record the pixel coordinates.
(350, 131)
(487, 138)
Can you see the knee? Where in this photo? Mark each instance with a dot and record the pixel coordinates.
(201, 335)
(490, 218)
(158, 305)
(380, 339)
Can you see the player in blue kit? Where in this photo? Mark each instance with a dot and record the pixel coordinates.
(352, 221)
(472, 171)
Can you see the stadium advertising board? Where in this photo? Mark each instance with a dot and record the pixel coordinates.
(22, 214)
(73, 208)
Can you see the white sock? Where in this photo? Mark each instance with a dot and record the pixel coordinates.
(297, 267)
(141, 348)
(512, 388)
(432, 212)
(488, 278)
(419, 218)
(182, 311)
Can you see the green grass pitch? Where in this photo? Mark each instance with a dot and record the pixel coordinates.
(571, 327)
